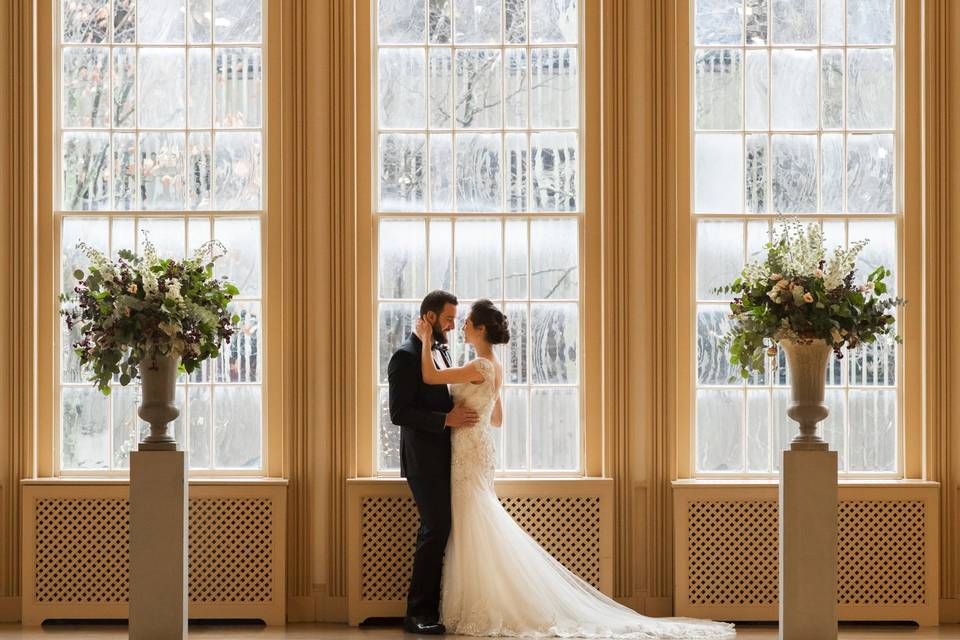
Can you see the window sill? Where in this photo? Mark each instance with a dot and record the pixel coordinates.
(726, 483)
(200, 481)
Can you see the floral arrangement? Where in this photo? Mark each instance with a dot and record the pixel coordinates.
(797, 293)
(142, 306)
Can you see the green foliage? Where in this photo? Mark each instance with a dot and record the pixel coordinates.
(136, 306)
(797, 293)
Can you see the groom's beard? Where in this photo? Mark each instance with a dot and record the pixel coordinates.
(439, 337)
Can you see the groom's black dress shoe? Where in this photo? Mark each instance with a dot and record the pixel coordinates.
(423, 626)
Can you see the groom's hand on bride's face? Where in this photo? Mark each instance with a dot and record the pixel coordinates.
(461, 416)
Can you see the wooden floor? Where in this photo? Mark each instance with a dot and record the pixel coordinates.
(333, 631)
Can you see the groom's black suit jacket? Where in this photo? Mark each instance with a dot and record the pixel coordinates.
(420, 410)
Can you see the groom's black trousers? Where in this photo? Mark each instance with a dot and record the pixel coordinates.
(432, 496)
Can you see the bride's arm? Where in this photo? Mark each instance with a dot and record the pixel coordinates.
(496, 418)
(432, 375)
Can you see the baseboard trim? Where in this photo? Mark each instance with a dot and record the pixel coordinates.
(332, 609)
(10, 609)
(301, 609)
(950, 611)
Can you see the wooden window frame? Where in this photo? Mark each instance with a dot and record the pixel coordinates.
(910, 230)
(273, 227)
(591, 373)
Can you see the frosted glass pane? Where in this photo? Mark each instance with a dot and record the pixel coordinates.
(477, 88)
(124, 20)
(199, 27)
(162, 180)
(441, 88)
(515, 427)
(199, 428)
(832, 20)
(555, 432)
(870, 21)
(388, 435)
(402, 89)
(199, 170)
(870, 88)
(880, 251)
(831, 88)
(85, 81)
(401, 21)
(719, 430)
(553, 21)
(758, 430)
(395, 323)
(518, 172)
(757, 171)
(873, 430)
(124, 87)
(478, 259)
(554, 88)
(162, 22)
(515, 366)
(402, 172)
(794, 89)
(718, 22)
(831, 173)
(237, 88)
(441, 172)
(200, 99)
(162, 79)
(831, 429)
(758, 90)
(478, 179)
(237, 431)
(125, 189)
(713, 360)
(515, 259)
(870, 173)
(85, 183)
(402, 265)
(237, 20)
(126, 424)
(554, 168)
(240, 359)
(238, 170)
(515, 21)
(84, 428)
(440, 23)
(241, 237)
(477, 21)
(718, 173)
(874, 364)
(794, 176)
(554, 259)
(555, 335)
(516, 88)
(85, 22)
(718, 81)
(756, 18)
(719, 256)
(166, 234)
(93, 231)
(441, 255)
(794, 21)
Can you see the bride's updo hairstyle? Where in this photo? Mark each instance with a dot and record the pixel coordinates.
(485, 314)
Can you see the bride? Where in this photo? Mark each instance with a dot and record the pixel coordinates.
(497, 581)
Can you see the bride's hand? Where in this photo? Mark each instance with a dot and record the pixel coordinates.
(424, 331)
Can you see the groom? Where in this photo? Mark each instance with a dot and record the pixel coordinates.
(425, 413)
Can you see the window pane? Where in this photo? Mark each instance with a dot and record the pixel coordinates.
(85, 431)
(402, 253)
(85, 163)
(718, 171)
(238, 173)
(554, 251)
(86, 79)
(237, 20)
(85, 22)
(161, 21)
(719, 425)
(719, 21)
(719, 256)
(477, 98)
(237, 431)
(478, 259)
(401, 82)
(555, 338)
(718, 79)
(477, 21)
(556, 428)
(402, 175)
(162, 78)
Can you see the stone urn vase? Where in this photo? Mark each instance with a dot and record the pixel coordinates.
(808, 364)
(158, 375)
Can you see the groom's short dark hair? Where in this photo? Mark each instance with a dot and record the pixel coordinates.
(436, 300)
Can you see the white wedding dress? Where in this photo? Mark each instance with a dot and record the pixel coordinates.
(497, 581)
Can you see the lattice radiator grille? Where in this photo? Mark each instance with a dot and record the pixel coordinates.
(82, 550)
(567, 527)
(733, 552)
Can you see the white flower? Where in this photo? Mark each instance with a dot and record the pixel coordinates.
(173, 290)
(150, 284)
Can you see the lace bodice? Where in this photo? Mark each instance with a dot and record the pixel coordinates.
(474, 454)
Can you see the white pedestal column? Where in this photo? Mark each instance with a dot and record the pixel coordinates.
(808, 545)
(158, 545)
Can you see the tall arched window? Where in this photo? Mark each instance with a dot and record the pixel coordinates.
(795, 111)
(478, 190)
(160, 131)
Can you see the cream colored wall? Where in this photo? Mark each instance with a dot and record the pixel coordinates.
(313, 265)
